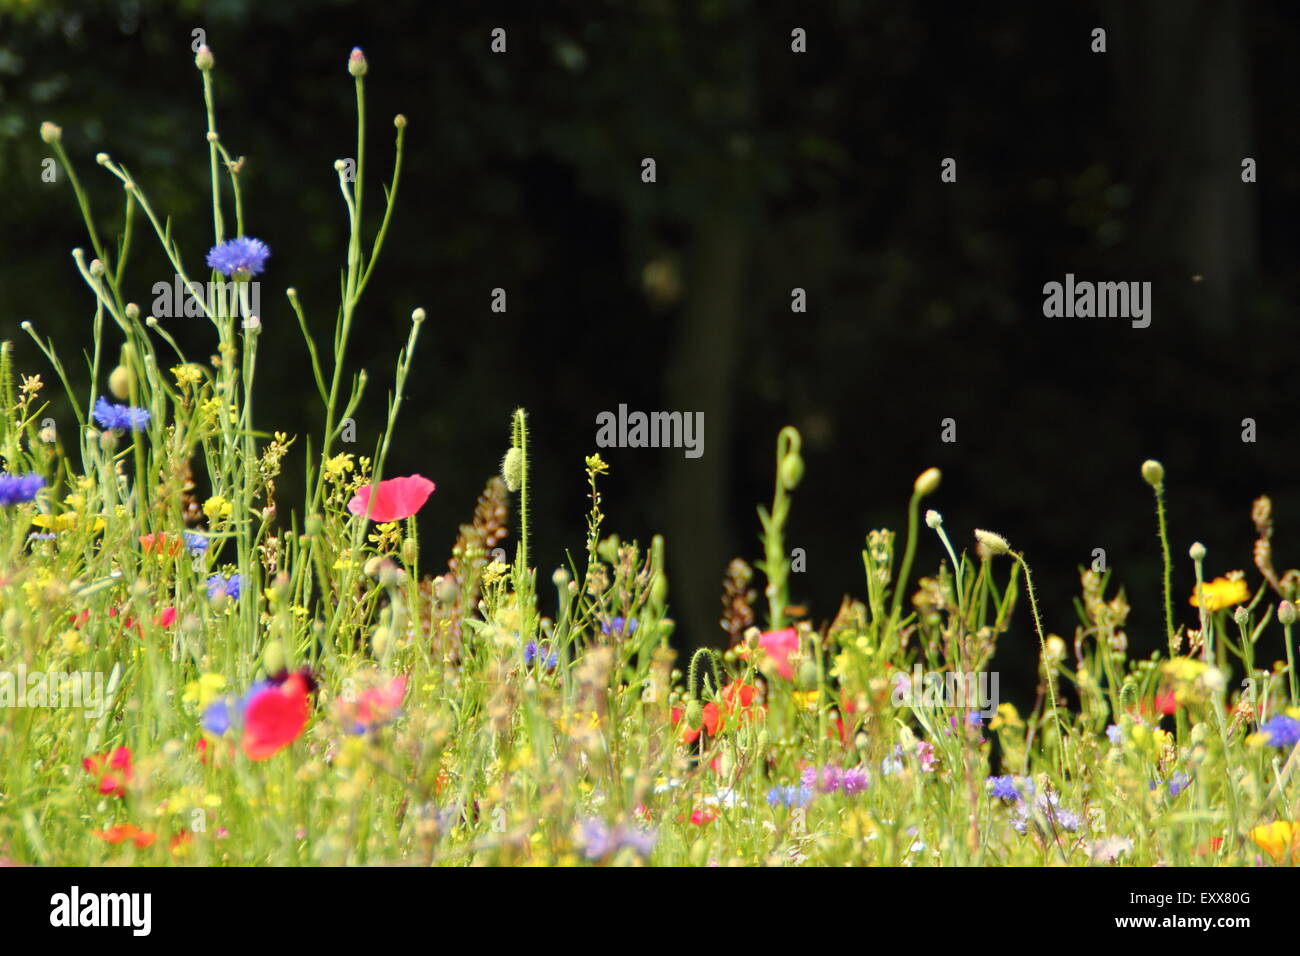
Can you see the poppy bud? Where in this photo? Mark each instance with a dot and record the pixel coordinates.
(694, 713)
(203, 59)
(313, 525)
(993, 543)
(512, 469)
(410, 551)
(50, 133)
(1153, 473)
(1197, 552)
(806, 679)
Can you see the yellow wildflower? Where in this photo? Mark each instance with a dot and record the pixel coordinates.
(1277, 839)
(1223, 592)
(216, 508)
(338, 466)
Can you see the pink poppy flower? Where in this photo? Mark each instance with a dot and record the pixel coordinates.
(779, 645)
(394, 499)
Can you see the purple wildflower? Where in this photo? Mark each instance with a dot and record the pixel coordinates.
(224, 587)
(790, 796)
(243, 257)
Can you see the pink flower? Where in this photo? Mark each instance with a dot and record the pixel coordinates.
(779, 645)
(394, 499)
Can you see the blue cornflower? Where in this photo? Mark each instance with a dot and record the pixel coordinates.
(1004, 788)
(790, 796)
(1178, 783)
(16, 489)
(196, 543)
(125, 417)
(532, 653)
(243, 255)
(219, 586)
(619, 627)
(228, 711)
(1282, 731)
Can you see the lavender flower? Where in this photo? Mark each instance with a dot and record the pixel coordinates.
(16, 489)
(125, 417)
(856, 780)
(1115, 733)
(1282, 731)
(243, 257)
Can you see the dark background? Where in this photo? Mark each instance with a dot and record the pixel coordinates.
(775, 170)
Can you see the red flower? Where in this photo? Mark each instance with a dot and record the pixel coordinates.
(703, 815)
(737, 701)
(275, 717)
(121, 832)
(1166, 703)
(394, 499)
(779, 645)
(112, 771)
(164, 544)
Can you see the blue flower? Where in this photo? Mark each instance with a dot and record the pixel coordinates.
(125, 417)
(532, 653)
(1178, 783)
(1004, 788)
(619, 627)
(16, 489)
(196, 543)
(243, 255)
(790, 796)
(227, 712)
(1115, 734)
(219, 586)
(1282, 731)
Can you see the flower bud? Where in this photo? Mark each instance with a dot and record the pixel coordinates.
(927, 483)
(791, 471)
(50, 133)
(357, 65)
(119, 382)
(694, 713)
(1153, 473)
(933, 519)
(512, 469)
(1286, 613)
(993, 543)
(273, 659)
(313, 525)
(1197, 552)
(203, 58)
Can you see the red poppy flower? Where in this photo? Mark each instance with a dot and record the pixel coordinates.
(703, 815)
(394, 499)
(275, 717)
(121, 832)
(111, 771)
(163, 544)
(779, 645)
(737, 701)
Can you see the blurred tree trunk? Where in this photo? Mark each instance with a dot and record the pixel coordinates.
(1182, 89)
(702, 378)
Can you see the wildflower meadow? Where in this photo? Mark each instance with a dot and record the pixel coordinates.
(202, 665)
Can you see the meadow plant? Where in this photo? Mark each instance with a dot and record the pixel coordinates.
(256, 683)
